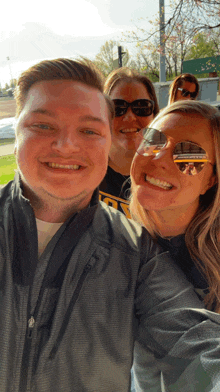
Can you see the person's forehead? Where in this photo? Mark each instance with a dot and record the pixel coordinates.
(189, 86)
(185, 126)
(129, 90)
(67, 93)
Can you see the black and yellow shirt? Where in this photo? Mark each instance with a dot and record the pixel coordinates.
(114, 190)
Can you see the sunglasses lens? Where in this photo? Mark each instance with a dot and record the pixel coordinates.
(185, 93)
(189, 158)
(193, 95)
(121, 107)
(143, 107)
(153, 141)
(140, 107)
(120, 111)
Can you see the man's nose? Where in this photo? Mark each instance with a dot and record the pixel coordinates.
(66, 144)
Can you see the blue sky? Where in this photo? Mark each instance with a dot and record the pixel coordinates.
(32, 31)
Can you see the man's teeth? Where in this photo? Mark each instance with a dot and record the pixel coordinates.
(127, 130)
(58, 166)
(159, 183)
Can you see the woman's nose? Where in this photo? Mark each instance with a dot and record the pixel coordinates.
(129, 115)
(163, 158)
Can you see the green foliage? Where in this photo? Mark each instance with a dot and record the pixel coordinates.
(203, 46)
(104, 59)
(7, 168)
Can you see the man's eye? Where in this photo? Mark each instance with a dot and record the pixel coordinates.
(90, 132)
(42, 126)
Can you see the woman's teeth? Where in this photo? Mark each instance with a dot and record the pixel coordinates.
(159, 183)
(57, 166)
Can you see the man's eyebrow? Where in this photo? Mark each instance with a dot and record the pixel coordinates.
(44, 111)
(91, 118)
(82, 118)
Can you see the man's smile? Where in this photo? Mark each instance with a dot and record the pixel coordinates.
(58, 166)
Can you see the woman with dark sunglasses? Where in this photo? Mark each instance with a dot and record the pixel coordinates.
(175, 179)
(135, 107)
(184, 87)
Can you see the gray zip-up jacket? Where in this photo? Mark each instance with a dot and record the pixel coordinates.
(68, 321)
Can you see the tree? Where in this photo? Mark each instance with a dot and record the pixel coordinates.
(13, 83)
(104, 59)
(200, 14)
(185, 19)
(204, 45)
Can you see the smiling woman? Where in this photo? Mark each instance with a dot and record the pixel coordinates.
(175, 178)
(175, 190)
(136, 105)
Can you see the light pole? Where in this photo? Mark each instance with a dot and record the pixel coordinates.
(162, 43)
(120, 54)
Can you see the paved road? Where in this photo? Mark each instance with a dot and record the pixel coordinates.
(6, 149)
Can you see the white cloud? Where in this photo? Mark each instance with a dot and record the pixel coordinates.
(77, 18)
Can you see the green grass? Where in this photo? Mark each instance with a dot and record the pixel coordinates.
(7, 141)
(7, 168)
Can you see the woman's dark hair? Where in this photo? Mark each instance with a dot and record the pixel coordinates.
(178, 82)
(128, 75)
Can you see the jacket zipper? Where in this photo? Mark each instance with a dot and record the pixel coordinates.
(31, 323)
(75, 296)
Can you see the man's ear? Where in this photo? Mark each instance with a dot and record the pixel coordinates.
(212, 181)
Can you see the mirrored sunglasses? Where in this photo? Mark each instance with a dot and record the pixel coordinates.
(189, 157)
(140, 107)
(186, 93)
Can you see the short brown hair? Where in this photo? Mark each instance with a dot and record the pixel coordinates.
(178, 82)
(128, 75)
(81, 70)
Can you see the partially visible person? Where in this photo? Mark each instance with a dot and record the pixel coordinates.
(184, 87)
(175, 179)
(136, 105)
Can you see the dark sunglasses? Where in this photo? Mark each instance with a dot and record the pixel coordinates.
(189, 157)
(140, 107)
(186, 93)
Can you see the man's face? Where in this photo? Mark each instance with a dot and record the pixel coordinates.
(63, 140)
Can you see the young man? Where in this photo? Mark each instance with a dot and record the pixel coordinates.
(79, 283)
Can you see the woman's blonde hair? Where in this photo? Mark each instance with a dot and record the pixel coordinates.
(203, 233)
(178, 82)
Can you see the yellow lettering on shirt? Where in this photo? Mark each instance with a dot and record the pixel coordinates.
(115, 202)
